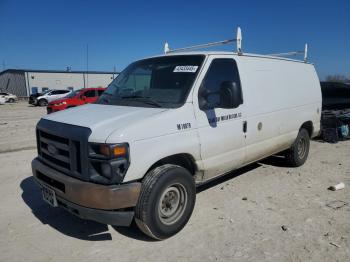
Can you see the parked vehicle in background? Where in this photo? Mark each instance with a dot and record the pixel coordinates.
(52, 95)
(76, 98)
(335, 119)
(335, 95)
(10, 98)
(169, 123)
(33, 97)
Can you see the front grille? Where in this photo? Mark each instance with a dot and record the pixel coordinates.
(64, 147)
(60, 152)
(50, 181)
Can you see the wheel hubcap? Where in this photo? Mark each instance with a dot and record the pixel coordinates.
(172, 204)
(301, 148)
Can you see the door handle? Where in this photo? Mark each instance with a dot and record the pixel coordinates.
(245, 126)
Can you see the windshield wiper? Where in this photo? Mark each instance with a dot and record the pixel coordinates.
(143, 99)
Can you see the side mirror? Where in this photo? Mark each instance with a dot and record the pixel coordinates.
(230, 95)
(203, 96)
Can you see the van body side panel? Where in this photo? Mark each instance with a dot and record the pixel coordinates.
(280, 96)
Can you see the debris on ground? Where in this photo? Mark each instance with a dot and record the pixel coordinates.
(337, 204)
(334, 244)
(337, 187)
(284, 228)
(244, 198)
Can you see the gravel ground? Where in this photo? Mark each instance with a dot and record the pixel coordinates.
(264, 212)
(17, 126)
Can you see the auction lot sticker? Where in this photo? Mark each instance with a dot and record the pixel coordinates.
(185, 69)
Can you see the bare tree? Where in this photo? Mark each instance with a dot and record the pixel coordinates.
(338, 78)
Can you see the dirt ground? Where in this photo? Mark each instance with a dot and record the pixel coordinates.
(288, 214)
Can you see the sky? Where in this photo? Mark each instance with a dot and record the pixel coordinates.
(55, 34)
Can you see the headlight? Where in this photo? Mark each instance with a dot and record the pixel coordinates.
(60, 104)
(108, 162)
(113, 151)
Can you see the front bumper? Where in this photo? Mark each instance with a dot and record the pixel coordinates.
(105, 204)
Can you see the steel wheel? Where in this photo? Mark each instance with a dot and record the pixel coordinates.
(301, 148)
(172, 204)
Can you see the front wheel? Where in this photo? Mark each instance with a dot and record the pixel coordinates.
(11, 100)
(299, 151)
(42, 102)
(166, 201)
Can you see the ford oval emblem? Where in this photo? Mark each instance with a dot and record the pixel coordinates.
(52, 149)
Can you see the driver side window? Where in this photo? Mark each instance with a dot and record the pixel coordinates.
(221, 70)
(138, 81)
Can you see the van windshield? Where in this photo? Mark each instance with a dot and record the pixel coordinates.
(154, 82)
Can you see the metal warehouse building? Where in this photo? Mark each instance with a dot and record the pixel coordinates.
(22, 82)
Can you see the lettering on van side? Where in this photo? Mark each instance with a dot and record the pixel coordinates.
(183, 126)
(224, 118)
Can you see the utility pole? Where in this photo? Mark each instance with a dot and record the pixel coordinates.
(87, 65)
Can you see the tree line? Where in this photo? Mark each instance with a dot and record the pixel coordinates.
(338, 78)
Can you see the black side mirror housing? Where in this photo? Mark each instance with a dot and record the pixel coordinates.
(203, 95)
(230, 95)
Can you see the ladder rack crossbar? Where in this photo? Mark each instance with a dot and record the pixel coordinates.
(223, 42)
(287, 53)
(238, 40)
(304, 52)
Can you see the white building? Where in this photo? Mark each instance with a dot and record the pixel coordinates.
(22, 82)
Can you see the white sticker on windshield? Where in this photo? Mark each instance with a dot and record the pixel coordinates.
(185, 69)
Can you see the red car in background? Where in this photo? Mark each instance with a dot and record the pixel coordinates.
(76, 98)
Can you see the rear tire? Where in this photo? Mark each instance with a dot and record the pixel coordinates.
(299, 151)
(42, 102)
(166, 201)
(11, 100)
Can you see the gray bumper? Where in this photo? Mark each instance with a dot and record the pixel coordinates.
(105, 204)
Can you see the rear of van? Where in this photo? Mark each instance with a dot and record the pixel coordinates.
(282, 96)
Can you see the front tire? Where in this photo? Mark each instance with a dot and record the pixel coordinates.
(166, 201)
(42, 102)
(11, 100)
(299, 151)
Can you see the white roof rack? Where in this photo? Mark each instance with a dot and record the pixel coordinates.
(238, 40)
(293, 53)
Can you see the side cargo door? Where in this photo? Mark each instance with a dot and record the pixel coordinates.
(221, 130)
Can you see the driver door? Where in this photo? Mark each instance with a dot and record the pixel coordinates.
(221, 131)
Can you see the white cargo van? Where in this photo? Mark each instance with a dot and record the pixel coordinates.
(169, 123)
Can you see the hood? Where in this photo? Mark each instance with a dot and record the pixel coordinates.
(103, 119)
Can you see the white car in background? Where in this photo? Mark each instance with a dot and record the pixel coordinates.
(2, 100)
(51, 96)
(10, 98)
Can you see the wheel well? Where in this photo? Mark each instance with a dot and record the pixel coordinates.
(309, 127)
(184, 160)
